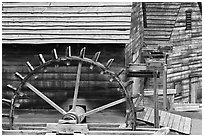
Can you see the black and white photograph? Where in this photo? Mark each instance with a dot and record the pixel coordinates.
(101, 68)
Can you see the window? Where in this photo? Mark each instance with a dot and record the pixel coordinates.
(188, 19)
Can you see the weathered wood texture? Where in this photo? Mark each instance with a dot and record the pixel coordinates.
(136, 34)
(166, 25)
(173, 121)
(186, 58)
(58, 82)
(88, 129)
(161, 18)
(133, 49)
(65, 22)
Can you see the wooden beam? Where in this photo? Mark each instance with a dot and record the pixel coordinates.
(40, 94)
(156, 109)
(23, 132)
(120, 133)
(63, 40)
(104, 107)
(186, 107)
(160, 92)
(76, 87)
(165, 83)
(67, 4)
(71, 129)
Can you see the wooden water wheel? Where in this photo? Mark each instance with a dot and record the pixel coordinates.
(76, 114)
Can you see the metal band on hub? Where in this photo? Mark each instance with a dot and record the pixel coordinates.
(71, 116)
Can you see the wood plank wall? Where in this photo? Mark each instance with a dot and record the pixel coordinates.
(160, 19)
(58, 83)
(66, 22)
(166, 24)
(186, 58)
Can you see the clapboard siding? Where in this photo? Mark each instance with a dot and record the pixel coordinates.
(161, 18)
(166, 25)
(65, 22)
(186, 58)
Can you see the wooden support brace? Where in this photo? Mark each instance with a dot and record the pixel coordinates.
(45, 98)
(165, 84)
(76, 87)
(156, 110)
(64, 129)
(104, 107)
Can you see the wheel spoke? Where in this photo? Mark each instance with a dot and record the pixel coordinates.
(45, 98)
(76, 90)
(104, 107)
(76, 87)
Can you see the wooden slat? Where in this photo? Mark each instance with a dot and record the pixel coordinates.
(166, 120)
(162, 117)
(64, 27)
(161, 18)
(56, 24)
(151, 117)
(65, 32)
(175, 125)
(161, 13)
(23, 132)
(182, 123)
(88, 37)
(67, 9)
(148, 112)
(171, 119)
(50, 19)
(66, 4)
(162, 6)
(160, 92)
(65, 14)
(121, 133)
(140, 115)
(187, 126)
(43, 18)
(37, 41)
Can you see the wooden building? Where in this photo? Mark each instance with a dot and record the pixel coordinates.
(118, 30)
(32, 28)
(177, 24)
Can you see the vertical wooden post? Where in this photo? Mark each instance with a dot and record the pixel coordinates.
(165, 82)
(156, 110)
(194, 87)
(189, 94)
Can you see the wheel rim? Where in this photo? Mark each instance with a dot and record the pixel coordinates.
(68, 58)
